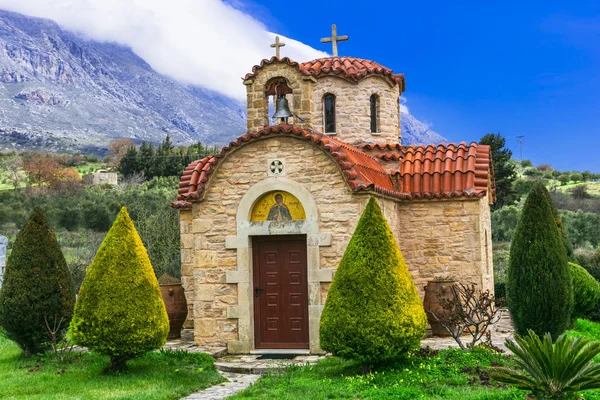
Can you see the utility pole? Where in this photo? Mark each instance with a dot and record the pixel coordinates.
(521, 145)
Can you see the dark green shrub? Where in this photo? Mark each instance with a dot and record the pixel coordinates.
(539, 286)
(522, 186)
(590, 260)
(373, 312)
(37, 287)
(96, 217)
(586, 291)
(69, 218)
(500, 294)
(583, 228)
(504, 223)
(120, 311)
(561, 230)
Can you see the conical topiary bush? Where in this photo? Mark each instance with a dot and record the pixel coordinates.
(37, 287)
(539, 286)
(373, 312)
(120, 311)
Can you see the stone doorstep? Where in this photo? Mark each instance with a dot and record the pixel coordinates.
(251, 364)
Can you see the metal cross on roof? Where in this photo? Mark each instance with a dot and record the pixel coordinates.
(334, 39)
(277, 46)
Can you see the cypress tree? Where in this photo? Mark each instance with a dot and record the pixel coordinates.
(539, 287)
(373, 312)
(37, 287)
(120, 311)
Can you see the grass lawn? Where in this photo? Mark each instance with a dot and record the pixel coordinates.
(88, 168)
(157, 375)
(448, 374)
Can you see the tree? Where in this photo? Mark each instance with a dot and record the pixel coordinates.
(37, 287)
(539, 287)
(11, 166)
(504, 170)
(373, 312)
(564, 179)
(117, 149)
(129, 162)
(120, 311)
(576, 177)
(43, 170)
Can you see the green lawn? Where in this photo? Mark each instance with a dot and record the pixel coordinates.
(445, 375)
(88, 168)
(157, 375)
(448, 374)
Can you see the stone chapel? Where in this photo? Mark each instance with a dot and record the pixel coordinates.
(266, 221)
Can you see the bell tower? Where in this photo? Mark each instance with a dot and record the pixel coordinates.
(353, 99)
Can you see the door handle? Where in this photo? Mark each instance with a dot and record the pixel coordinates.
(257, 291)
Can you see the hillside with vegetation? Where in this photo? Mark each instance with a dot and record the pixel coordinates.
(81, 215)
(576, 195)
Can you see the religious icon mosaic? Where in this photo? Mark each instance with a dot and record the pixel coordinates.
(278, 206)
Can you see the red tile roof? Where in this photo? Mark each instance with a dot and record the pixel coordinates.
(361, 171)
(424, 172)
(350, 68)
(446, 171)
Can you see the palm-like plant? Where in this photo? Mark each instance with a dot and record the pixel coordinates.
(551, 371)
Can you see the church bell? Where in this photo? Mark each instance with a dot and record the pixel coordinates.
(282, 109)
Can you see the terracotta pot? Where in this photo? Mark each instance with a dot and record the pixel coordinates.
(174, 297)
(435, 292)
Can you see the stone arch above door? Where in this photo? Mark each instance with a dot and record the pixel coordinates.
(242, 242)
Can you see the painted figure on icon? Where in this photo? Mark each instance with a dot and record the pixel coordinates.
(279, 211)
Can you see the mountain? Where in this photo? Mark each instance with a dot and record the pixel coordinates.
(62, 92)
(416, 132)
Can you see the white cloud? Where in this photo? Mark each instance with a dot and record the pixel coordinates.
(403, 107)
(202, 42)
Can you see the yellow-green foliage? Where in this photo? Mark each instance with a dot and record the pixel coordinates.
(586, 290)
(373, 312)
(120, 311)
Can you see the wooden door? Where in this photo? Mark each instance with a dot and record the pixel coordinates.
(280, 292)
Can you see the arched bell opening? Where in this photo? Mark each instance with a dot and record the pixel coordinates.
(280, 96)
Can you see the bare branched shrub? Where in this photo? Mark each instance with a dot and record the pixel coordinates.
(61, 347)
(470, 310)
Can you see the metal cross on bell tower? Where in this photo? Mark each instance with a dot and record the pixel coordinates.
(334, 39)
(277, 45)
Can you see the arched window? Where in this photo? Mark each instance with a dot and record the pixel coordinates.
(373, 104)
(329, 108)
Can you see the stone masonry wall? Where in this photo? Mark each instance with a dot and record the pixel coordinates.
(436, 237)
(446, 238)
(352, 105)
(205, 259)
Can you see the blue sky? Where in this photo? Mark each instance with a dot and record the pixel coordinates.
(518, 68)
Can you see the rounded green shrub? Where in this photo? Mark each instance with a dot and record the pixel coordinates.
(539, 287)
(37, 287)
(586, 291)
(120, 311)
(373, 312)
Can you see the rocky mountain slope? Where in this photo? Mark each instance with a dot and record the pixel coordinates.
(61, 92)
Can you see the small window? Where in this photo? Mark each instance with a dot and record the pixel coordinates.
(373, 101)
(329, 107)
